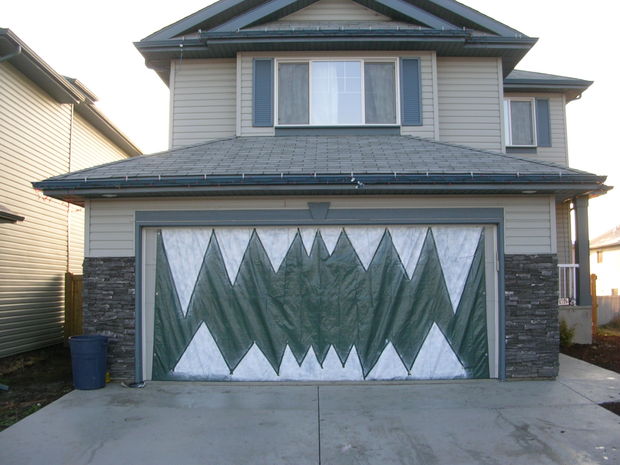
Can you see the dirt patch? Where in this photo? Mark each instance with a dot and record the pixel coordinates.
(612, 407)
(35, 379)
(604, 351)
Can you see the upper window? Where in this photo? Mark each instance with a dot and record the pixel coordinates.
(520, 120)
(332, 93)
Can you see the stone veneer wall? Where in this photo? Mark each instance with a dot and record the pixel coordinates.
(532, 327)
(109, 309)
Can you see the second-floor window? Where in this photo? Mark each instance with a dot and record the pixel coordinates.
(337, 93)
(520, 120)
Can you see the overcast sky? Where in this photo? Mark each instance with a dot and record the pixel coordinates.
(93, 41)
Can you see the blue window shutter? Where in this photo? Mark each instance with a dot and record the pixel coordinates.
(262, 93)
(543, 123)
(410, 92)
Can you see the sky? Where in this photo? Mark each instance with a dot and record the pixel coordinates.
(93, 42)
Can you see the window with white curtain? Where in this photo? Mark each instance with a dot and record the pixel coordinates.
(337, 93)
(520, 122)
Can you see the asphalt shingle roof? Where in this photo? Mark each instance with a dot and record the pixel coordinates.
(328, 155)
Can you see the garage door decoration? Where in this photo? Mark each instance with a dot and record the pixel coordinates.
(320, 303)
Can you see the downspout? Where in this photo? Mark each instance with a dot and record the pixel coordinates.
(11, 55)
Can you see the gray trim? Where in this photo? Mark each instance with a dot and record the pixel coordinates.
(318, 210)
(6, 216)
(494, 216)
(339, 131)
(582, 251)
(254, 15)
(417, 14)
(522, 150)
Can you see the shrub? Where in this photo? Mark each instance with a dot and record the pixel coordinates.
(566, 334)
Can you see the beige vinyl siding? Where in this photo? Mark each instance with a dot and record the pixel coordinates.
(563, 222)
(88, 148)
(203, 101)
(34, 143)
(528, 219)
(558, 152)
(470, 101)
(427, 129)
(335, 10)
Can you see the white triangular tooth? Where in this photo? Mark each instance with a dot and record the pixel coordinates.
(389, 366)
(185, 249)
(330, 235)
(408, 242)
(254, 367)
(333, 370)
(436, 359)
(233, 243)
(456, 247)
(307, 237)
(276, 242)
(365, 241)
(202, 358)
(289, 368)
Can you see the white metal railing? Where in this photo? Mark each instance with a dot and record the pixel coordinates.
(568, 284)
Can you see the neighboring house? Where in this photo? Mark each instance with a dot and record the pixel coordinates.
(605, 262)
(48, 126)
(354, 190)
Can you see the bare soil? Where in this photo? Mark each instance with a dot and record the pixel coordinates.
(34, 379)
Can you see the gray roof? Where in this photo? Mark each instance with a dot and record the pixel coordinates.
(529, 81)
(311, 162)
(319, 154)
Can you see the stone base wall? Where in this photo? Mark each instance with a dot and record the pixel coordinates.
(532, 327)
(109, 309)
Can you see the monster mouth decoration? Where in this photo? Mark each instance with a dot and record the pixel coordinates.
(324, 303)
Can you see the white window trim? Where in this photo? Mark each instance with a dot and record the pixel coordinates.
(508, 120)
(361, 60)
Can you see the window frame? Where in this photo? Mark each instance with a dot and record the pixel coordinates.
(508, 120)
(359, 59)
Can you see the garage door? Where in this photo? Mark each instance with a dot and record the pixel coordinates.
(320, 303)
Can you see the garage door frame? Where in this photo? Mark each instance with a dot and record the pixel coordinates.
(318, 214)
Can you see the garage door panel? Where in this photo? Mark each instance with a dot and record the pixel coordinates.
(321, 315)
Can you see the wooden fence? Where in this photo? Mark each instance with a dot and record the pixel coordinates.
(73, 305)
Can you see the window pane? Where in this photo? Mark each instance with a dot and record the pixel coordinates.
(521, 122)
(293, 93)
(336, 92)
(380, 93)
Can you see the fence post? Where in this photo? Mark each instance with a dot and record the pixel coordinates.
(594, 303)
(73, 305)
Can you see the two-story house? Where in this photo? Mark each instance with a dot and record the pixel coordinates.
(49, 124)
(355, 190)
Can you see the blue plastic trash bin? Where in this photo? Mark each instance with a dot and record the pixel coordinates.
(89, 361)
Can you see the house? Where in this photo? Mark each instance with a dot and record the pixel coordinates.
(355, 190)
(605, 261)
(48, 125)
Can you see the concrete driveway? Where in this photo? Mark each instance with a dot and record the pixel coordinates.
(456, 423)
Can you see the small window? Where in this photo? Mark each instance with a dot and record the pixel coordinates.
(337, 93)
(599, 256)
(520, 120)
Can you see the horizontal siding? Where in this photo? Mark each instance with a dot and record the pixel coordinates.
(335, 10)
(203, 103)
(527, 219)
(558, 152)
(470, 102)
(34, 145)
(563, 222)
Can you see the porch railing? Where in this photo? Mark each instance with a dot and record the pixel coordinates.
(568, 284)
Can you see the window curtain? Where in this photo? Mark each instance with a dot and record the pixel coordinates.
(293, 93)
(336, 92)
(380, 93)
(521, 122)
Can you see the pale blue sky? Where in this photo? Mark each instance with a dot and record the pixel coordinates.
(92, 41)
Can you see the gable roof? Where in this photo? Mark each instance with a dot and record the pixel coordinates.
(610, 238)
(529, 81)
(61, 88)
(330, 164)
(228, 26)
